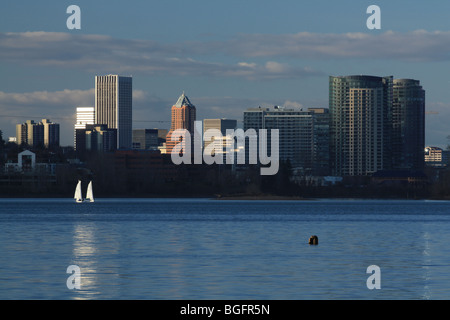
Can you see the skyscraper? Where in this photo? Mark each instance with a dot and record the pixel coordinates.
(360, 127)
(183, 117)
(113, 106)
(408, 124)
(321, 141)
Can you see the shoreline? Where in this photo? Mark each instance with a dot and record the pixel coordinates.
(260, 197)
(256, 197)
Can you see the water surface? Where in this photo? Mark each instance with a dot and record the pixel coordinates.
(224, 249)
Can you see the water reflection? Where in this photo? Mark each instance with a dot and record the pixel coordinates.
(426, 265)
(84, 256)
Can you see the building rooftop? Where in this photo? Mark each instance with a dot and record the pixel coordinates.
(183, 100)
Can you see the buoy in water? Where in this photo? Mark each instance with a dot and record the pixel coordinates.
(314, 240)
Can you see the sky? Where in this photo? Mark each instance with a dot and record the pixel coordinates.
(226, 56)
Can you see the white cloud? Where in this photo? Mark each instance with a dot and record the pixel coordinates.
(292, 104)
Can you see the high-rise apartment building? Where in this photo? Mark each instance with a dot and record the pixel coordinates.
(360, 127)
(22, 133)
(408, 124)
(44, 133)
(183, 117)
(51, 133)
(113, 106)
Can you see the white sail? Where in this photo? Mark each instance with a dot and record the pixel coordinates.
(78, 197)
(90, 193)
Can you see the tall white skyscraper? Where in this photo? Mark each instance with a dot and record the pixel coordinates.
(113, 106)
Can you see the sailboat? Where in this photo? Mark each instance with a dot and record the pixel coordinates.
(78, 196)
(90, 193)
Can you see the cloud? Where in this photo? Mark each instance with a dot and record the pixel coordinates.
(292, 104)
(257, 56)
(105, 54)
(419, 45)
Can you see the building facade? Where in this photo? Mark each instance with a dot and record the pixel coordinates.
(85, 116)
(408, 124)
(436, 157)
(296, 133)
(100, 138)
(51, 133)
(146, 139)
(183, 117)
(42, 134)
(226, 142)
(321, 141)
(360, 126)
(114, 105)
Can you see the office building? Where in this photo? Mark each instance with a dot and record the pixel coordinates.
(85, 115)
(145, 139)
(360, 128)
(296, 133)
(408, 125)
(100, 138)
(113, 106)
(183, 117)
(220, 144)
(436, 157)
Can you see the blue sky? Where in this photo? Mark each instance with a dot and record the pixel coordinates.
(226, 55)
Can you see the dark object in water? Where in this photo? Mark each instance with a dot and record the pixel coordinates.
(314, 240)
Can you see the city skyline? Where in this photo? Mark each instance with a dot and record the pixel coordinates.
(274, 53)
